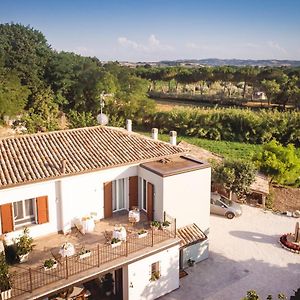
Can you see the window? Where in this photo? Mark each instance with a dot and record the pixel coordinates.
(118, 194)
(24, 212)
(155, 271)
(143, 193)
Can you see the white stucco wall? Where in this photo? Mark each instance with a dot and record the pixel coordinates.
(32, 191)
(158, 191)
(187, 198)
(68, 198)
(138, 274)
(196, 252)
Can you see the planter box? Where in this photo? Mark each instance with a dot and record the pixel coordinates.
(116, 244)
(85, 255)
(24, 257)
(142, 235)
(53, 267)
(154, 227)
(6, 295)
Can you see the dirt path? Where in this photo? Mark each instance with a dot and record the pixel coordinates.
(286, 199)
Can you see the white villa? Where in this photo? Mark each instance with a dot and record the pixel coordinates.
(49, 181)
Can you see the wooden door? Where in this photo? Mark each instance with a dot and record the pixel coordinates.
(107, 199)
(150, 201)
(133, 192)
(6, 218)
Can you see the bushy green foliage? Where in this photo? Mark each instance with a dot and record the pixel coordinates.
(230, 124)
(13, 95)
(252, 295)
(81, 119)
(5, 278)
(235, 175)
(280, 163)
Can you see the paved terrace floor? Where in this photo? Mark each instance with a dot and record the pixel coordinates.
(72, 270)
(244, 255)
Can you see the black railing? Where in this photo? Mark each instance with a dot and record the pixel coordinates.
(28, 280)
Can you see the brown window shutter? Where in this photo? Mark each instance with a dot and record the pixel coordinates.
(107, 199)
(7, 222)
(42, 209)
(150, 201)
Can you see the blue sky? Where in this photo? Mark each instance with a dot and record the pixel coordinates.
(151, 30)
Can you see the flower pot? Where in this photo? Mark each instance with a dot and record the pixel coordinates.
(142, 235)
(24, 257)
(114, 245)
(53, 267)
(6, 294)
(85, 255)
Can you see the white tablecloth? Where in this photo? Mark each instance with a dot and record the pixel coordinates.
(67, 249)
(88, 225)
(119, 233)
(134, 214)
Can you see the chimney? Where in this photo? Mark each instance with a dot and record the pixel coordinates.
(129, 125)
(154, 133)
(63, 166)
(173, 135)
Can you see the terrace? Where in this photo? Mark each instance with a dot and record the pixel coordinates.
(31, 281)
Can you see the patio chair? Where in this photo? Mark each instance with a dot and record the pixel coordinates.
(56, 255)
(78, 226)
(108, 236)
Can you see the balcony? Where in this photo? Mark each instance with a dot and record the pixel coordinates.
(31, 281)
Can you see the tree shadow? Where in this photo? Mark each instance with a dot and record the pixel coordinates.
(221, 278)
(256, 237)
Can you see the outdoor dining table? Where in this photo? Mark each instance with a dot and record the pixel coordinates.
(67, 249)
(134, 216)
(119, 232)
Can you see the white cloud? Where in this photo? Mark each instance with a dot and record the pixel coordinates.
(276, 46)
(153, 44)
(83, 51)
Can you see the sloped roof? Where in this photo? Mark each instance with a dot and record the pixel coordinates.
(34, 157)
(190, 234)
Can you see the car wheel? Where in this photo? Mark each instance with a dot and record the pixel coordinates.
(229, 215)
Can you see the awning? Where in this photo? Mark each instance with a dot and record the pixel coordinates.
(190, 234)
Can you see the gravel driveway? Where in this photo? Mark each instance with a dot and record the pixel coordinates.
(244, 255)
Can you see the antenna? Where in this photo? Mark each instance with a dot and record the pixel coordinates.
(102, 118)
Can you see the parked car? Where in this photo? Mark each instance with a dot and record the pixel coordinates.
(221, 205)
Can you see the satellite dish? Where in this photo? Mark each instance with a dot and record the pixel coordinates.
(102, 119)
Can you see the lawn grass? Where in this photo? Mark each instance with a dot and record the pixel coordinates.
(229, 150)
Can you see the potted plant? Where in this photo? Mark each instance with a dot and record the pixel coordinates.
(84, 253)
(24, 245)
(50, 264)
(115, 242)
(5, 278)
(155, 275)
(142, 233)
(155, 225)
(165, 224)
(107, 283)
(191, 262)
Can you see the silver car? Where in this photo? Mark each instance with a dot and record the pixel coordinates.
(221, 205)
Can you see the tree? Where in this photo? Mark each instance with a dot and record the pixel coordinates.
(280, 163)
(43, 115)
(289, 91)
(271, 88)
(83, 119)
(26, 51)
(13, 96)
(235, 175)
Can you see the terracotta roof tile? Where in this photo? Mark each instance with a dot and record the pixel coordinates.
(33, 157)
(190, 234)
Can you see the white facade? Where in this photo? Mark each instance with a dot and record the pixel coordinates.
(138, 274)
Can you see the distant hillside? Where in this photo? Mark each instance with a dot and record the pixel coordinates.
(232, 62)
